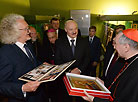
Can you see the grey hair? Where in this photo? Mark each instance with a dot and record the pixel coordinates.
(68, 21)
(125, 40)
(8, 28)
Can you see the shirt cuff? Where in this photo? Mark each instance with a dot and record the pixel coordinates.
(80, 70)
(24, 93)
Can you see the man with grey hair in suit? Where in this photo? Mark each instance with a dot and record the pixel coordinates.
(16, 59)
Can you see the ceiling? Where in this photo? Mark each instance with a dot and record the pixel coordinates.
(104, 7)
(63, 7)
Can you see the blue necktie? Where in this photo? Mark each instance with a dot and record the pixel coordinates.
(72, 46)
(28, 52)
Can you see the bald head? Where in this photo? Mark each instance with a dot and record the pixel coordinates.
(33, 33)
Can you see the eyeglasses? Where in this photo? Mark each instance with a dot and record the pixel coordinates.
(25, 29)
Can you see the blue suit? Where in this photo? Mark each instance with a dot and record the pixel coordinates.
(95, 52)
(13, 64)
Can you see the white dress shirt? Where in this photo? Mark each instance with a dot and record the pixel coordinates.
(21, 46)
(69, 38)
(91, 38)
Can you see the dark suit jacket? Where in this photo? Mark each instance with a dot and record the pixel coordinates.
(13, 64)
(95, 49)
(95, 53)
(61, 33)
(64, 53)
(37, 49)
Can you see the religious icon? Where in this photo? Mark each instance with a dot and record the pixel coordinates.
(84, 83)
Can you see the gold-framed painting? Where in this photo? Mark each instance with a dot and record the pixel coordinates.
(77, 84)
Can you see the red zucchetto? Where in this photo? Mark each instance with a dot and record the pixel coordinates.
(131, 34)
(51, 30)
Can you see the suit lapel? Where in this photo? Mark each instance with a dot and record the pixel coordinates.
(67, 46)
(19, 51)
(23, 55)
(77, 47)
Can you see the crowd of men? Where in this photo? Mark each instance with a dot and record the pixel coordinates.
(22, 51)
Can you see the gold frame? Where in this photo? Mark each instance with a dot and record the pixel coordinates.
(134, 26)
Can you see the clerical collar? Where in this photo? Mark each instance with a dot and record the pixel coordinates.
(131, 59)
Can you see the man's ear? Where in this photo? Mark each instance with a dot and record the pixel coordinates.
(65, 29)
(127, 47)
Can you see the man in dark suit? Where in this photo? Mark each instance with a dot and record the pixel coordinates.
(16, 59)
(95, 50)
(70, 48)
(36, 43)
(64, 51)
(55, 25)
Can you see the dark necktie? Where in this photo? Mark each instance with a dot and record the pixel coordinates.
(28, 52)
(90, 40)
(72, 46)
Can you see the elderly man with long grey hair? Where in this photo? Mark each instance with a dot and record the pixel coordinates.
(15, 61)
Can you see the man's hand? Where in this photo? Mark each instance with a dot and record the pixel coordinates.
(30, 86)
(46, 63)
(88, 97)
(76, 71)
